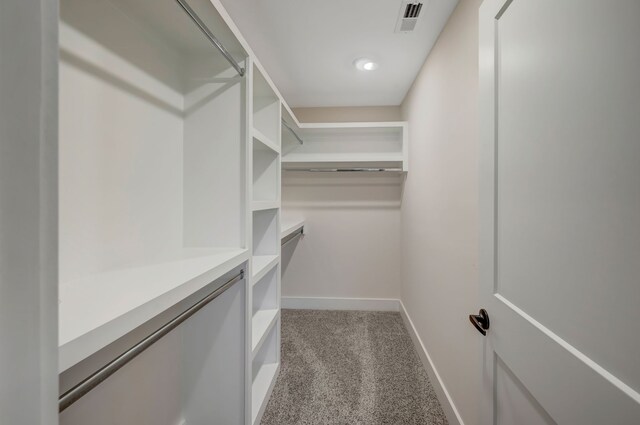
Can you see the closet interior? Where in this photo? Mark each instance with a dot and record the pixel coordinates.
(173, 142)
(286, 212)
(330, 212)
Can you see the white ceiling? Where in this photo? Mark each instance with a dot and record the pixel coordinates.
(308, 47)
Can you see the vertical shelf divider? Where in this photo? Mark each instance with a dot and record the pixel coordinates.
(263, 224)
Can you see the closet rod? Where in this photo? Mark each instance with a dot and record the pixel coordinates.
(286, 124)
(292, 236)
(212, 38)
(95, 379)
(346, 170)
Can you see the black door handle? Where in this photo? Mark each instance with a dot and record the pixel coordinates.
(480, 321)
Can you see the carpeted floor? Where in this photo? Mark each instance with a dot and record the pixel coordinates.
(350, 367)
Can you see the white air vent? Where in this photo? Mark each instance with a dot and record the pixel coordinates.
(409, 14)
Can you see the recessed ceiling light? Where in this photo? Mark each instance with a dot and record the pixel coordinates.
(365, 64)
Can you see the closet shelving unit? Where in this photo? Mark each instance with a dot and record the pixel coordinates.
(153, 208)
(265, 244)
(350, 146)
(171, 154)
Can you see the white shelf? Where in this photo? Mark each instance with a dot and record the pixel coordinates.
(294, 161)
(262, 387)
(341, 157)
(380, 126)
(261, 264)
(264, 205)
(97, 310)
(289, 227)
(350, 145)
(261, 324)
(268, 143)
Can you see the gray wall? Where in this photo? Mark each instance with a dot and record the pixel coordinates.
(440, 208)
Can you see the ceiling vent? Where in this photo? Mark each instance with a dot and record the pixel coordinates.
(409, 14)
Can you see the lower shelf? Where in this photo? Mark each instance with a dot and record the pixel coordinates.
(261, 390)
(302, 161)
(262, 264)
(264, 205)
(262, 323)
(113, 303)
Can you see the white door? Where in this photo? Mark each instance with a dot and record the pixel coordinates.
(560, 211)
(28, 212)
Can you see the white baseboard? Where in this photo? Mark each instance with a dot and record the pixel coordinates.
(449, 407)
(321, 303)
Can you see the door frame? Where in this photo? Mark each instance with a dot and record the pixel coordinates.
(487, 15)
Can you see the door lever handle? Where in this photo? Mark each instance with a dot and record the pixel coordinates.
(480, 321)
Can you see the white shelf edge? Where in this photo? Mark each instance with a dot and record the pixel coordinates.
(259, 136)
(294, 158)
(261, 389)
(264, 205)
(261, 265)
(289, 227)
(302, 164)
(357, 158)
(354, 124)
(262, 323)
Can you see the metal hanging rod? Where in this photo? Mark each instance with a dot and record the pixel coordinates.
(346, 170)
(212, 38)
(292, 236)
(95, 379)
(286, 124)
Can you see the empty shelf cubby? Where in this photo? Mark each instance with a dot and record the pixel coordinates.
(266, 172)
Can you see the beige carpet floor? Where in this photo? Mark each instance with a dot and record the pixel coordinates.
(348, 367)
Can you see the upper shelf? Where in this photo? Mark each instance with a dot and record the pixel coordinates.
(164, 21)
(348, 145)
(266, 111)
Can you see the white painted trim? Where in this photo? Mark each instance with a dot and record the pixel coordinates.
(322, 303)
(449, 407)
